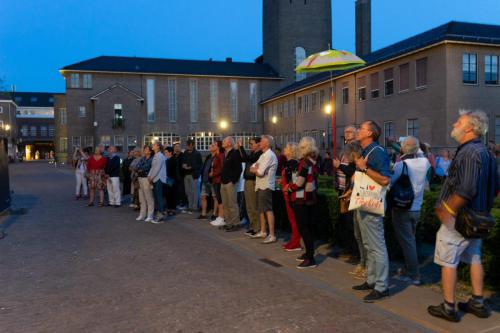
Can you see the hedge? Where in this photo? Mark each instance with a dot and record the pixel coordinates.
(330, 228)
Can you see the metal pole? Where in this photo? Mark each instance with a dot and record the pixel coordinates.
(334, 129)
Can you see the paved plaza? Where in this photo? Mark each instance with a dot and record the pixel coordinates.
(65, 267)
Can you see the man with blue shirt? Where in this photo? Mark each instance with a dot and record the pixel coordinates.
(374, 163)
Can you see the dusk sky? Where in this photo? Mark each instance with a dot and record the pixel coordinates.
(37, 37)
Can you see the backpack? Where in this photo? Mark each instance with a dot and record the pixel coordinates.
(401, 194)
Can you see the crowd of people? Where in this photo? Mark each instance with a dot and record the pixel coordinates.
(233, 187)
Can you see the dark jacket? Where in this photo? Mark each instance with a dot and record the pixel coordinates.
(249, 159)
(113, 166)
(192, 159)
(174, 167)
(231, 170)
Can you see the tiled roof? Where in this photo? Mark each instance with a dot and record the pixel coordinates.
(453, 31)
(34, 99)
(174, 66)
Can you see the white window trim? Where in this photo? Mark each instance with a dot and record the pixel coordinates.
(385, 81)
(408, 127)
(366, 97)
(498, 71)
(345, 88)
(462, 70)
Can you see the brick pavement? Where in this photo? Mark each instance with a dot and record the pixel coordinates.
(65, 267)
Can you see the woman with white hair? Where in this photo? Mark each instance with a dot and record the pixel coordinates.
(288, 175)
(306, 198)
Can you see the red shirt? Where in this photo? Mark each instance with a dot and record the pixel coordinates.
(94, 164)
(217, 163)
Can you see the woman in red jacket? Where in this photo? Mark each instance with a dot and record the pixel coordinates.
(96, 176)
(288, 174)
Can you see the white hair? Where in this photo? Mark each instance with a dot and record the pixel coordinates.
(410, 145)
(269, 139)
(307, 146)
(478, 119)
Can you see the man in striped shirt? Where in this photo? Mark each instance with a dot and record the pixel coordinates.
(471, 182)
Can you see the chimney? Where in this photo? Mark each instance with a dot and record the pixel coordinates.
(363, 27)
(229, 59)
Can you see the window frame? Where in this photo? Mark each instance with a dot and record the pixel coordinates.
(492, 56)
(345, 96)
(414, 128)
(392, 130)
(470, 83)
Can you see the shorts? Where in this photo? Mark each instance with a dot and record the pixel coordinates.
(216, 192)
(452, 247)
(264, 200)
(206, 189)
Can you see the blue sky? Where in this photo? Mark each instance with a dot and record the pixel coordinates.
(37, 37)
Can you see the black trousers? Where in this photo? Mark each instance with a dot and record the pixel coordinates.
(169, 196)
(304, 215)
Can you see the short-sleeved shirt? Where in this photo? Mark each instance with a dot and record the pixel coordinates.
(469, 176)
(378, 160)
(268, 163)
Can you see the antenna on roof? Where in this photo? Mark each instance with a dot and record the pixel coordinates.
(13, 87)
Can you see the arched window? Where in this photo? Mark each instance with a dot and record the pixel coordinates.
(166, 139)
(300, 55)
(202, 140)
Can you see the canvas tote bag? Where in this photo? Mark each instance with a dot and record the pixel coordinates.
(368, 195)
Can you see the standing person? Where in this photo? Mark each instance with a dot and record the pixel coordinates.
(133, 178)
(158, 176)
(230, 176)
(127, 181)
(443, 162)
(250, 194)
(216, 178)
(240, 197)
(288, 176)
(80, 158)
(405, 221)
(306, 198)
(281, 160)
(265, 183)
(169, 188)
(191, 166)
(96, 175)
(328, 164)
(472, 183)
(180, 195)
(206, 187)
(345, 168)
(146, 198)
(376, 164)
(113, 178)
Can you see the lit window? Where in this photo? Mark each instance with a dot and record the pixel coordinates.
(150, 102)
(105, 140)
(469, 68)
(166, 139)
(234, 101)
(131, 142)
(202, 140)
(491, 69)
(245, 138)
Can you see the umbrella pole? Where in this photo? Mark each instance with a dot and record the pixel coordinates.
(334, 129)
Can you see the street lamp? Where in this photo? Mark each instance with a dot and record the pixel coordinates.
(328, 111)
(274, 119)
(7, 127)
(223, 124)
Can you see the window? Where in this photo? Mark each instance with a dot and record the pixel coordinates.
(404, 77)
(150, 102)
(33, 99)
(421, 73)
(374, 85)
(1, 124)
(172, 100)
(321, 99)
(166, 139)
(300, 55)
(24, 130)
(253, 102)
(51, 100)
(388, 131)
(245, 138)
(118, 116)
(412, 127)
(497, 130)
(63, 145)
(234, 101)
(202, 140)
(74, 80)
(52, 131)
(214, 101)
(76, 141)
(43, 131)
(491, 69)
(345, 94)
(193, 100)
(18, 99)
(131, 142)
(105, 140)
(63, 117)
(362, 88)
(469, 68)
(32, 130)
(87, 81)
(82, 112)
(299, 105)
(388, 82)
(314, 97)
(1, 109)
(88, 141)
(306, 104)
(119, 141)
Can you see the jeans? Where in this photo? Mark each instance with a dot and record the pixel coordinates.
(405, 224)
(359, 240)
(377, 259)
(191, 188)
(158, 195)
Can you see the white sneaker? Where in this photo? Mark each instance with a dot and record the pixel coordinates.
(269, 239)
(157, 221)
(260, 234)
(149, 219)
(218, 222)
(140, 218)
